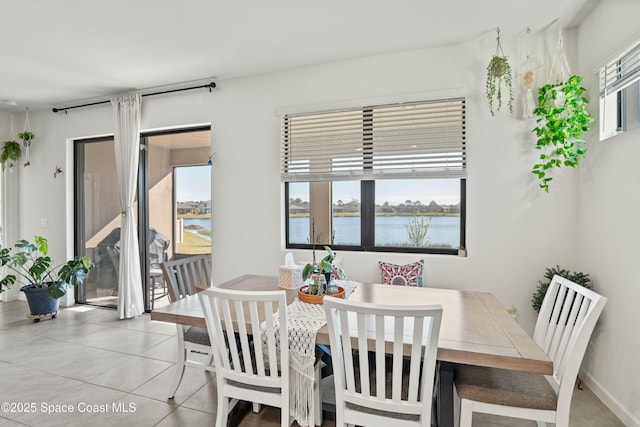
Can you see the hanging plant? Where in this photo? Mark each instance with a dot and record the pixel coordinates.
(11, 152)
(26, 138)
(499, 75)
(562, 119)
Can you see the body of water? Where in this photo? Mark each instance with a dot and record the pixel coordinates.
(205, 223)
(444, 231)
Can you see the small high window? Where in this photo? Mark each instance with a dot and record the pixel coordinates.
(620, 93)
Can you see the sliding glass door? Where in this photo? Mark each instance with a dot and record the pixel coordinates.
(161, 193)
(97, 214)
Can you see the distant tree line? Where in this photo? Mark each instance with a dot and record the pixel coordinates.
(409, 207)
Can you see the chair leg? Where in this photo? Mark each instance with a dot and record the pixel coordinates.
(180, 364)
(179, 374)
(153, 293)
(466, 413)
(222, 412)
(317, 398)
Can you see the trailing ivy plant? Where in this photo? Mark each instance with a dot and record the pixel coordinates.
(499, 77)
(562, 119)
(543, 285)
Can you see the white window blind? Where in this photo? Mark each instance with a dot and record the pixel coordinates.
(418, 139)
(621, 71)
(616, 76)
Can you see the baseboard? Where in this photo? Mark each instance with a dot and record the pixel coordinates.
(612, 403)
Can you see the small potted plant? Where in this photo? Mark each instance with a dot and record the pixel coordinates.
(26, 138)
(11, 152)
(543, 285)
(499, 78)
(320, 275)
(43, 285)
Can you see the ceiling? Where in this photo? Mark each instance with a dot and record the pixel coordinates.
(55, 53)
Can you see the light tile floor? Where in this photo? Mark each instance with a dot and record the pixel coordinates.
(87, 368)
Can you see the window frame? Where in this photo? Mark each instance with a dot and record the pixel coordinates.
(616, 75)
(367, 187)
(367, 225)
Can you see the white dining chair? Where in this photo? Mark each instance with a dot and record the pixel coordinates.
(567, 318)
(252, 364)
(384, 360)
(182, 276)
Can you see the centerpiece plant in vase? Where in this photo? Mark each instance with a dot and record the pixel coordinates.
(320, 278)
(43, 283)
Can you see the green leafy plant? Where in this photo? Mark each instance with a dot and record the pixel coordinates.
(499, 79)
(26, 137)
(543, 285)
(324, 266)
(32, 265)
(11, 151)
(562, 119)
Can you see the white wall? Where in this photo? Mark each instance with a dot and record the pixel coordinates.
(514, 230)
(609, 230)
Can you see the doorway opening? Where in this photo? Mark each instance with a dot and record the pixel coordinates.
(165, 175)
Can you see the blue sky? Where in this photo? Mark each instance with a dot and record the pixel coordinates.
(193, 183)
(442, 191)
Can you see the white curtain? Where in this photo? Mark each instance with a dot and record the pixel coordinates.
(9, 212)
(126, 111)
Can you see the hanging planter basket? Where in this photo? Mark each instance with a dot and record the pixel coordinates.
(11, 152)
(27, 137)
(499, 80)
(562, 118)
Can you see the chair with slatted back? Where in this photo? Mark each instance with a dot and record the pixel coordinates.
(567, 318)
(252, 363)
(183, 276)
(384, 360)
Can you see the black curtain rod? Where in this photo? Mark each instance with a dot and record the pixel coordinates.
(209, 86)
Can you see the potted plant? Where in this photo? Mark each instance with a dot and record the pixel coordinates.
(320, 275)
(26, 138)
(499, 75)
(43, 283)
(11, 152)
(562, 119)
(543, 285)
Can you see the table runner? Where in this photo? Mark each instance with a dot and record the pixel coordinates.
(304, 322)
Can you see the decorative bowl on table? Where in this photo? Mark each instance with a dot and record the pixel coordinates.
(317, 299)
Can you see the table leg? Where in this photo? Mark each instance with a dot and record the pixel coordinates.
(445, 395)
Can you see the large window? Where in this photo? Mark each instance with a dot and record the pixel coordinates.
(620, 93)
(378, 178)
